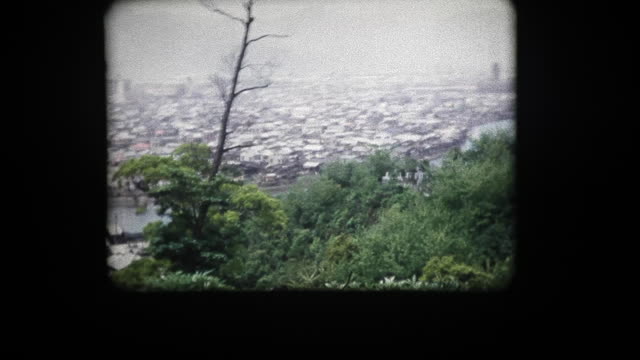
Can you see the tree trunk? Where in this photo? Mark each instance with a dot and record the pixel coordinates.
(217, 157)
(222, 136)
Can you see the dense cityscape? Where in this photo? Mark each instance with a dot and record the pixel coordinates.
(296, 125)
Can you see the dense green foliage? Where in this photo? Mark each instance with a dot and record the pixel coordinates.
(216, 225)
(343, 228)
(134, 276)
(149, 274)
(469, 215)
(180, 281)
(444, 270)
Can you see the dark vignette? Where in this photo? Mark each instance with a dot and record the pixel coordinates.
(556, 47)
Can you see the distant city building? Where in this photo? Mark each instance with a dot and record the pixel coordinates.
(311, 165)
(299, 130)
(495, 83)
(495, 72)
(121, 89)
(189, 86)
(115, 231)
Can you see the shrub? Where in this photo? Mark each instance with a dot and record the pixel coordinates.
(293, 273)
(390, 283)
(354, 226)
(134, 276)
(340, 248)
(502, 273)
(444, 270)
(476, 189)
(387, 283)
(399, 243)
(180, 281)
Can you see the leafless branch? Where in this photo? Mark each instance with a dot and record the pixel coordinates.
(238, 147)
(251, 88)
(248, 5)
(211, 7)
(229, 92)
(228, 15)
(264, 36)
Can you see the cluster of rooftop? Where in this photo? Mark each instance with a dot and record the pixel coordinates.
(296, 125)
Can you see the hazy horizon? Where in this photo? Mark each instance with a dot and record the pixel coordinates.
(151, 41)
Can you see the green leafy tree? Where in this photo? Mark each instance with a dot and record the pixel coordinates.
(399, 243)
(311, 207)
(469, 215)
(327, 211)
(180, 183)
(380, 163)
(477, 188)
(256, 223)
(339, 252)
(212, 218)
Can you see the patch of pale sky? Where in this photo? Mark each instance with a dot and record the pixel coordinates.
(160, 40)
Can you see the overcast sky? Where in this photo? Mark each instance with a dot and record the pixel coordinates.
(157, 40)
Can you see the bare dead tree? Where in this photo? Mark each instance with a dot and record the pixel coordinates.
(228, 90)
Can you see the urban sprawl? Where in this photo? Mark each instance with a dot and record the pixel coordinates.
(296, 125)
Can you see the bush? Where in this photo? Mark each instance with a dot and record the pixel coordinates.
(180, 281)
(502, 273)
(134, 276)
(380, 163)
(301, 274)
(186, 252)
(340, 248)
(444, 270)
(387, 283)
(476, 191)
(399, 243)
(150, 274)
(347, 225)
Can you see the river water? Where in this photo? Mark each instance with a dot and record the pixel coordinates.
(123, 213)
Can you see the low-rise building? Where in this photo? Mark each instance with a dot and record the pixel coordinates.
(344, 120)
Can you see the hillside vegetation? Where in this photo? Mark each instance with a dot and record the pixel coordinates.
(345, 228)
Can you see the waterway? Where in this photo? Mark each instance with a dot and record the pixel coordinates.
(125, 215)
